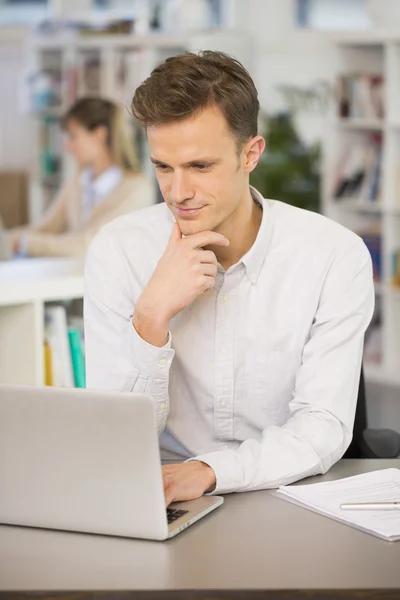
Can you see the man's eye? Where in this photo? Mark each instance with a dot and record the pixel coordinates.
(201, 167)
(162, 167)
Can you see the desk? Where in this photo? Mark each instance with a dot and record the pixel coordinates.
(254, 542)
(25, 286)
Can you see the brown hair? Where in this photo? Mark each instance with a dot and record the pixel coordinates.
(187, 83)
(96, 112)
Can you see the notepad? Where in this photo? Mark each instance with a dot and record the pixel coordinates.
(326, 497)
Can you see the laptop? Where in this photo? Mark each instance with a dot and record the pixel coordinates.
(86, 461)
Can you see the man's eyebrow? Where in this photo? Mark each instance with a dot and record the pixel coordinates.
(157, 162)
(197, 161)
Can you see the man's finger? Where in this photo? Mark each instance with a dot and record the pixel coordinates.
(169, 493)
(207, 256)
(209, 270)
(176, 235)
(206, 238)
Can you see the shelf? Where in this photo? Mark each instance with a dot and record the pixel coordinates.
(364, 206)
(51, 111)
(371, 37)
(393, 292)
(376, 374)
(152, 40)
(357, 204)
(362, 124)
(31, 280)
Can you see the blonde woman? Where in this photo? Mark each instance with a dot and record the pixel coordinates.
(108, 183)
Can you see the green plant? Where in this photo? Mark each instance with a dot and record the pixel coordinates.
(289, 169)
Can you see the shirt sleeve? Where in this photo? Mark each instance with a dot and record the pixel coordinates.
(117, 357)
(322, 409)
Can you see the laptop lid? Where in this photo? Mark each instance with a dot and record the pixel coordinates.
(65, 456)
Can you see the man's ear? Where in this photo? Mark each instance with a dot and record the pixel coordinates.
(252, 153)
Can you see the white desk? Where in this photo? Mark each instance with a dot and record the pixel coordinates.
(25, 287)
(251, 547)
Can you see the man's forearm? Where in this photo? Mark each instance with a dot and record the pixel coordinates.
(152, 328)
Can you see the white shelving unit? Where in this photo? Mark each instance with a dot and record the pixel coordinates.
(25, 288)
(137, 54)
(372, 53)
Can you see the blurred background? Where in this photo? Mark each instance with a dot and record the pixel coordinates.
(328, 75)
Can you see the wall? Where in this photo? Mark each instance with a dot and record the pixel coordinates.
(14, 126)
(289, 56)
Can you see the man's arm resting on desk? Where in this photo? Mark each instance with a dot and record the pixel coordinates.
(319, 427)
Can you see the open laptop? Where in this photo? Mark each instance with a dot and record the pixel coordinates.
(87, 461)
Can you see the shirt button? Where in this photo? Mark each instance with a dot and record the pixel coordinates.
(222, 403)
(162, 406)
(225, 298)
(162, 362)
(222, 351)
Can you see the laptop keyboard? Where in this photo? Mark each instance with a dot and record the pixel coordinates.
(173, 514)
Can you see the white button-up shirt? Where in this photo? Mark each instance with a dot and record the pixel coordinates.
(260, 375)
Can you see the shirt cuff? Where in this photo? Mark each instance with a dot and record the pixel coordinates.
(151, 361)
(225, 464)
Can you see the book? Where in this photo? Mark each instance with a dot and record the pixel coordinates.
(359, 171)
(326, 497)
(77, 356)
(56, 333)
(48, 367)
(361, 96)
(373, 241)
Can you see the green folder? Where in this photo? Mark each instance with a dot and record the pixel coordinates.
(77, 356)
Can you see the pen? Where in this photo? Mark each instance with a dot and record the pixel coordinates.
(371, 506)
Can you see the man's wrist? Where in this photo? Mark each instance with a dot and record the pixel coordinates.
(152, 326)
(210, 478)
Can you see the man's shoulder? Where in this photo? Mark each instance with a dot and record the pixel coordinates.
(313, 230)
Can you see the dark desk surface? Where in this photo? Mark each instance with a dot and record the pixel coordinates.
(254, 546)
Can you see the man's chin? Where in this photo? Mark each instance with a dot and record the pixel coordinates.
(192, 227)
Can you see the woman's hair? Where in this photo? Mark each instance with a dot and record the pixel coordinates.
(96, 112)
(185, 84)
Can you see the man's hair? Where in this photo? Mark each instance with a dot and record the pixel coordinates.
(185, 84)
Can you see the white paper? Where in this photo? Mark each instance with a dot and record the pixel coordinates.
(376, 486)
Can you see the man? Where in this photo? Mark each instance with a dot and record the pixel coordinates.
(242, 318)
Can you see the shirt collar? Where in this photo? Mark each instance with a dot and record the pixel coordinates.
(253, 260)
(104, 184)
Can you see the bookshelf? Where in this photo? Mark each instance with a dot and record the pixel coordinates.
(362, 156)
(26, 288)
(61, 70)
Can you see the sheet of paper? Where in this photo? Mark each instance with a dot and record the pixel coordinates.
(376, 486)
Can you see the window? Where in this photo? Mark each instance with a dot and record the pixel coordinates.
(332, 14)
(22, 12)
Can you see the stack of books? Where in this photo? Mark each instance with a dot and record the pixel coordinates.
(396, 268)
(51, 149)
(361, 96)
(359, 171)
(63, 349)
(373, 241)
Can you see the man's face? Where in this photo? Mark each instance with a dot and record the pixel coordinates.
(201, 175)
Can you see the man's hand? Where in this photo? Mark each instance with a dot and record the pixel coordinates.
(183, 273)
(187, 481)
